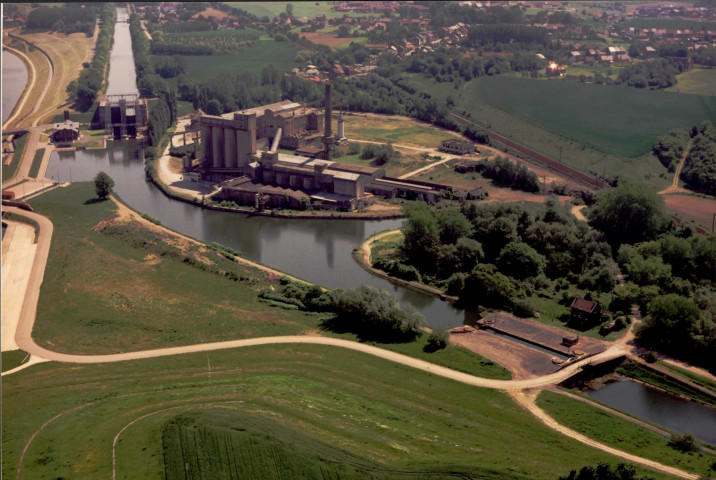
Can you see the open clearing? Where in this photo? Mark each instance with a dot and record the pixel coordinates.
(622, 121)
(396, 129)
(368, 409)
(691, 208)
(698, 81)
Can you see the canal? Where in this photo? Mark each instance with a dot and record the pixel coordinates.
(14, 79)
(660, 408)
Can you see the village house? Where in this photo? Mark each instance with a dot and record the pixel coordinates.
(585, 313)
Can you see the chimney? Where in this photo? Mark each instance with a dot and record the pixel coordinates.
(328, 125)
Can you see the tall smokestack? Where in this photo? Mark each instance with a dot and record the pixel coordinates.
(328, 110)
(327, 139)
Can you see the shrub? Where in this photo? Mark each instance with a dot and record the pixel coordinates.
(523, 307)
(437, 340)
(683, 443)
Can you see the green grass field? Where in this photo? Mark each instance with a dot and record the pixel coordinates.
(617, 120)
(13, 359)
(300, 9)
(135, 290)
(253, 59)
(673, 23)
(214, 33)
(9, 171)
(698, 379)
(367, 408)
(698, 81)
(622, 434)
(36, 162)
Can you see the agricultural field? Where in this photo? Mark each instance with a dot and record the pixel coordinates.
(315, 401)
(697, 81)
(215, 33)
(253, 59)
(331, 39)
(622, 434)
(670, 23)
(691, 208)
(300, 9)
(621, 121)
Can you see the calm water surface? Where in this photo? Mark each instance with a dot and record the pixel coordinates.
(660, 408)
(122, 77)
(14, 79)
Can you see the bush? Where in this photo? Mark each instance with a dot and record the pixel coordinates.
(523, 307)
(684, 443)
(650, 357)
(437, 340)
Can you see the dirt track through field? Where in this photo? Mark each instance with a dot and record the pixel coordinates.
(25, 341)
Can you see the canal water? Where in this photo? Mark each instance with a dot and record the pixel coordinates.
(318, 251)
(14, 79)
(660, 408)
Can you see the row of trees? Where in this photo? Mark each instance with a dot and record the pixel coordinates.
(92, 77)
(201, 44)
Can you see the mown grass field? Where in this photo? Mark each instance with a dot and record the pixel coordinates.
(617, 120)
(253, 59)
(622, 434)
(403, 131)
(101, 294)
(9, 170)
(366, 408)
(36, 162)
(13, 359)
(697, 81)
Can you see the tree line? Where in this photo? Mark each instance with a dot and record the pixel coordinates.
(67, 18)
(167, 44)
(91, 79)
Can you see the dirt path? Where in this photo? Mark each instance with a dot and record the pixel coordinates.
(577, 212)
(674, 187)
(427, 167)
(527, 401)
(365, 251)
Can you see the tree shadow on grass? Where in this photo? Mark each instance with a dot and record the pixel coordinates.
(336, 324)
(94, 200)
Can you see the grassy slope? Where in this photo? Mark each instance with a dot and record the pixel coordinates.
(13, 359)
(36, 162)
(102, 295)
(703, 381)
(9, 171)
(619, 433)
(363, 405)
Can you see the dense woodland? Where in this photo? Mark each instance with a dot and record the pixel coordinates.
(66, 18)
(502, 256)
(168, 44)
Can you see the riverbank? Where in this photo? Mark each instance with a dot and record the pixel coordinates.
(362, 255)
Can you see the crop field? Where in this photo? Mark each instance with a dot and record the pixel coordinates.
(690, 208)
(697, 81)
(330, 39)
(385, 416)
(253, 59)
(622, 434)
(672, 23)
(620, 121)
(300, 9)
